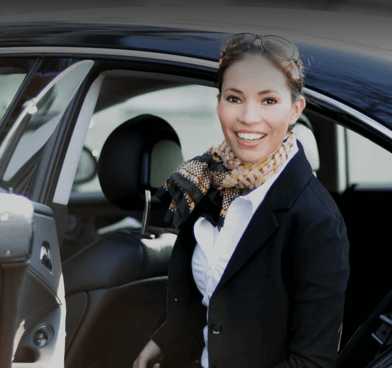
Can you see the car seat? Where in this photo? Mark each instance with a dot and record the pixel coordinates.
(116, 287)
(304, 132)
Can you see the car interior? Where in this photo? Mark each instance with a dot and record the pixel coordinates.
(116, 248)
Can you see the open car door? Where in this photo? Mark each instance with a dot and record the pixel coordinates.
(32, 303)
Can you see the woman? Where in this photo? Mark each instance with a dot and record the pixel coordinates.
(259, 271)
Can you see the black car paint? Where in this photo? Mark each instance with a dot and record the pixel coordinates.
(350, 77)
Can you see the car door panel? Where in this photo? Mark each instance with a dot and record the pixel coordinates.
(43, 311)
(29, 290)
(32, 314)
(363, 209)
(120, 320)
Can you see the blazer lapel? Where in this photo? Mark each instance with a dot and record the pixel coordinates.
(264, 222)
(262, 225)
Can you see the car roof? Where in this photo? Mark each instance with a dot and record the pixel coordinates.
(324, 26)
(345, 59)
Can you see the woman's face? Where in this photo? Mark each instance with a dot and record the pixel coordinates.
(255, 108)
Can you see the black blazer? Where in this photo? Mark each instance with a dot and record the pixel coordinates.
(279, 303)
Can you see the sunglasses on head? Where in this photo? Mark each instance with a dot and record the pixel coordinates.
(271, 44)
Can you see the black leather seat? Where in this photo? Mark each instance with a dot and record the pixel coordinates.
(124, 273)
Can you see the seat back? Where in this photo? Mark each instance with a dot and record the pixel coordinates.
(138, 155)
(304, 133)
(104, 279)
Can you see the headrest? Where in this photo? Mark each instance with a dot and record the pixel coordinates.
(305, 135)
(140, 154)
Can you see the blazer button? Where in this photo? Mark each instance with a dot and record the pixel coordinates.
(216, 328)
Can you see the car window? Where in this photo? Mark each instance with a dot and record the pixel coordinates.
(12, 74)
(43, 122)
(368, 163)
(10, 84)
(190, 110)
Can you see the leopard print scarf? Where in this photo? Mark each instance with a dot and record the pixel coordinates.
(220, 175)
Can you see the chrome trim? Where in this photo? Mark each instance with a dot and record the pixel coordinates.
(147, 210)
(349, 110)
(375, 337)
(342, 156)
(110, 52)
(385, 319)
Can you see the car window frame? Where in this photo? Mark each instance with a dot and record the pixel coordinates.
(341, 113)
(45, 69)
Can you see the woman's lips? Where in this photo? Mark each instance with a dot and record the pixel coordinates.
(249, 138)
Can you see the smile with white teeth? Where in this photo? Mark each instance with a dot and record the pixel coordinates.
(250, 136)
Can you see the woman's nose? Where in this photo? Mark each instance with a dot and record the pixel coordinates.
(250, 113)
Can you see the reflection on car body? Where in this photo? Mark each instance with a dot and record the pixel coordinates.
(151, 91)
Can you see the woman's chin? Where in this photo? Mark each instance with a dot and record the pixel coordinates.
(251, 155)
(249, 152)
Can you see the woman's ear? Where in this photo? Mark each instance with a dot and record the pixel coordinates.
(297, 109)
(218, 97)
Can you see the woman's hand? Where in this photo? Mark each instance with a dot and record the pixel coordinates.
(151, 353)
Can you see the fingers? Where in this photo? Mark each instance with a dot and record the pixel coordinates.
(140, 363)
(143, 364)
(151, 352)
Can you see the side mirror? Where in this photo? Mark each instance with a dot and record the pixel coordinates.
(87, 167)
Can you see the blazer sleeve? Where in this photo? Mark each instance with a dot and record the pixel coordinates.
(179, 346)
(319, 271)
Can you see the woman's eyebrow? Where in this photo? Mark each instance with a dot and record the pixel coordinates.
(259, 93)
(234, 90)
(267, 91)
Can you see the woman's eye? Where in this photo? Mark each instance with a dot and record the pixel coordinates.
(270, 101)
(233, 99)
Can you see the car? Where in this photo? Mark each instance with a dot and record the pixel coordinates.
(98, 108)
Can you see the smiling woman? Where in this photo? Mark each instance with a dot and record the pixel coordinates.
(262, 248)
(255, 122)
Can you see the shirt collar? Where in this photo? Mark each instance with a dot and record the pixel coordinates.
(257, 195)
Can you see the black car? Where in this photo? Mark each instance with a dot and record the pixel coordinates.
(96, 114)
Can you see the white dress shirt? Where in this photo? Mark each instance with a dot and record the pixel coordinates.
(214, 248)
